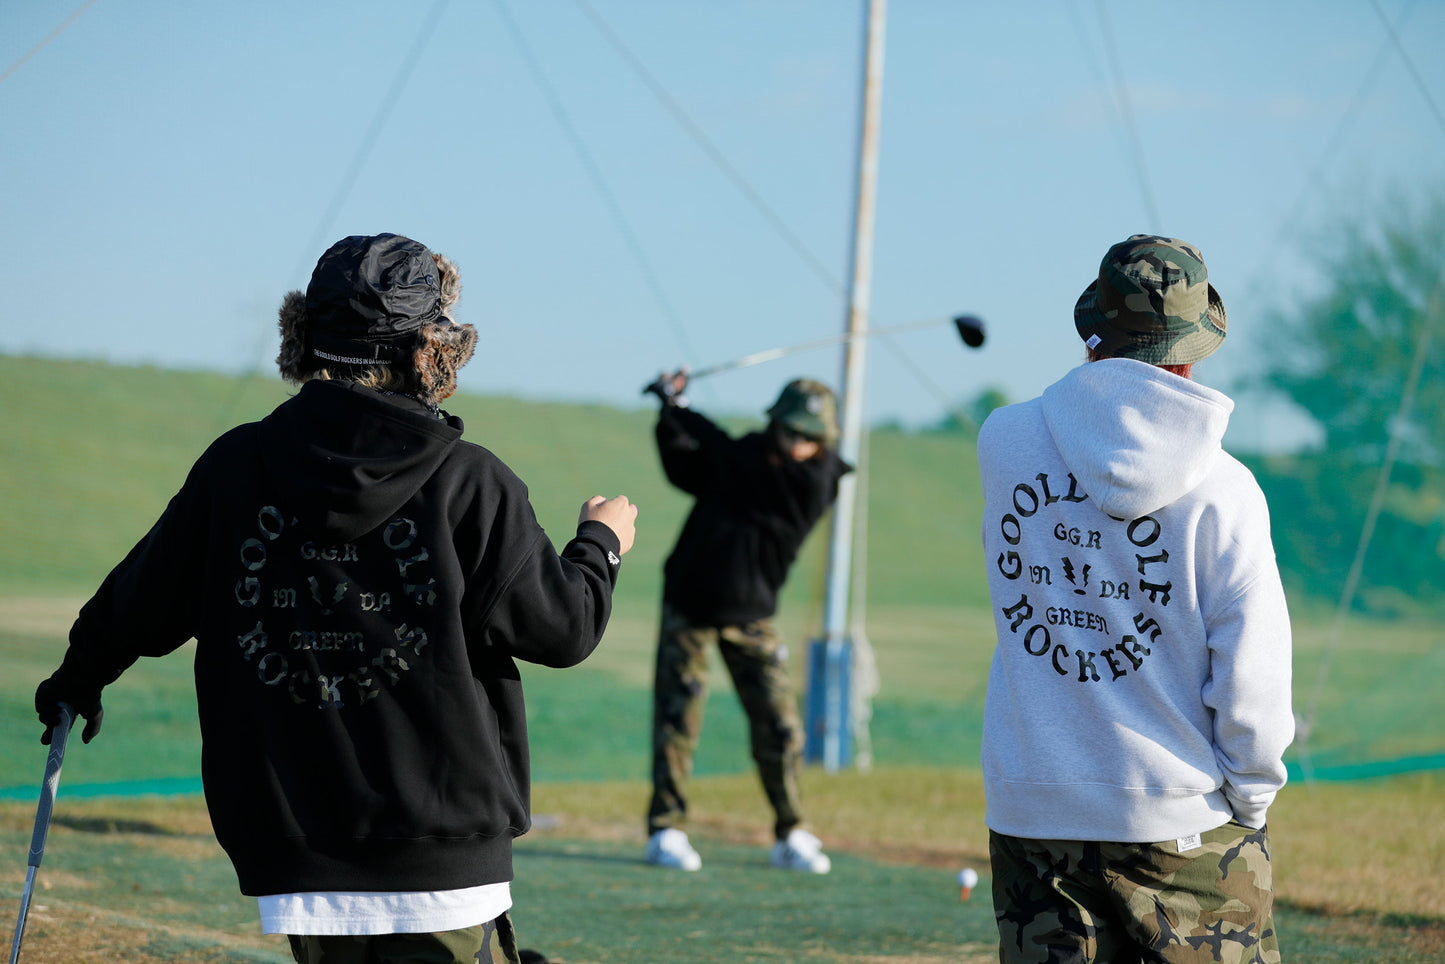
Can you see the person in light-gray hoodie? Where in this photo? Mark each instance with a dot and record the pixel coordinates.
(1138, 704)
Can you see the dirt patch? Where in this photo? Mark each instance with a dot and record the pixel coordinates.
(83, 934)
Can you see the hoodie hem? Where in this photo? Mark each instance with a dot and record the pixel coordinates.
(1114, 814)
(305, 865)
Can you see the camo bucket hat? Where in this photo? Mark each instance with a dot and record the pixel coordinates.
(1152, 302)
(808, 408)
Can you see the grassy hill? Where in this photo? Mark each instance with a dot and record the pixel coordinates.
(92, 452)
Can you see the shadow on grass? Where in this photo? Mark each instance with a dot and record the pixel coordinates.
(105, 825)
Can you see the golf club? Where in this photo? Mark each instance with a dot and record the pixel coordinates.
(969, 328)
(58, 738)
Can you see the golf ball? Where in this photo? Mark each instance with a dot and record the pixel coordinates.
(968, 877)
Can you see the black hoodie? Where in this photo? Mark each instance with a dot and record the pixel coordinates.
(754, 508)
(359, 581)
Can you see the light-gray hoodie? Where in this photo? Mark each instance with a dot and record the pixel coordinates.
(1140, 689)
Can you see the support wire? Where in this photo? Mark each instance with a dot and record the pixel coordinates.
(49, 37)
(589, 164)
(1121, 92)
(694, 131)
(345, 186)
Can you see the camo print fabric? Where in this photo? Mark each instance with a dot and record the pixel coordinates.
(468, 945)
(1152, 302)
(758, 662)
(1076, 902)
(809, 407)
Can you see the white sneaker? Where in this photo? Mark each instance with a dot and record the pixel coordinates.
(801, 851)
(669, 848)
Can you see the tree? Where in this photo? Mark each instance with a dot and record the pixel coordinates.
(1346, 356)
(967, 417)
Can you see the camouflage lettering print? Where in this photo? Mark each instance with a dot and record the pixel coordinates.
(326, 653)
(1079, 902)
(757, 661)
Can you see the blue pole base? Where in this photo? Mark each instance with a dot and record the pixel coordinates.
(828, 722)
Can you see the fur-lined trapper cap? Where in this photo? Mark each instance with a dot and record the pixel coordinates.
(379, 304)
(368, 296)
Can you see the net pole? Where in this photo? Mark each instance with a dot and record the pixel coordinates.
(830, 735)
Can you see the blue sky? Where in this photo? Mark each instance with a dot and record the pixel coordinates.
(171, 169)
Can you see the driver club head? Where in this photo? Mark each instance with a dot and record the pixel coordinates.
(970, 329)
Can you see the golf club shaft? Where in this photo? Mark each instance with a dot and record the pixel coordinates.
(59, 736)
(757, 358)
(24, 912)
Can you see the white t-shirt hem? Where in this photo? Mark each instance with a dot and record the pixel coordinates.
(352, 914)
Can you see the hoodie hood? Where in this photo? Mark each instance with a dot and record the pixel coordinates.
(348, 457)
(1135, 436)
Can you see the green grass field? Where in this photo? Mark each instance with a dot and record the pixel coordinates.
(92, 452)
(141, 880)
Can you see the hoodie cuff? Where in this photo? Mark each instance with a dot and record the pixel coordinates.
(1251, 814)
(600, 533)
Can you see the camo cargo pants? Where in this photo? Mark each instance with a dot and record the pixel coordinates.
(1078, 902)
(469, 945)
(758, 663)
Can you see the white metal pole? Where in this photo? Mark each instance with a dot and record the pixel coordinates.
(835, 606)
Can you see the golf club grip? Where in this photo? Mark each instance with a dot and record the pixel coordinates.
(58, 738)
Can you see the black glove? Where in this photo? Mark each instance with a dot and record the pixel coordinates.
(83, 697)
(668, 386)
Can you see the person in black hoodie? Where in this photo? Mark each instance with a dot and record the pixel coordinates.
(359, 582)
(757, 498)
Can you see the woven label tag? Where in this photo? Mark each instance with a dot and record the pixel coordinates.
(1190, 842)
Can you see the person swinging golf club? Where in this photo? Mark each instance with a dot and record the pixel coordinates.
(756, 498)
(359, 581)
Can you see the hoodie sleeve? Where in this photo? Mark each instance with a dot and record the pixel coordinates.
(147, 605)
(552, 607)
(817, 480)
(1248, 690)
(686, 442)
